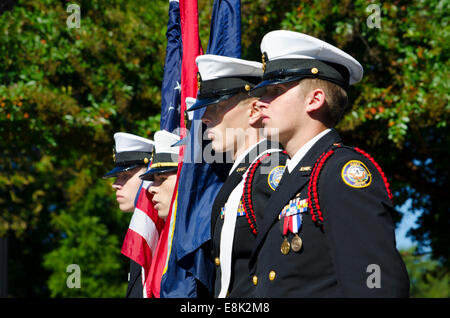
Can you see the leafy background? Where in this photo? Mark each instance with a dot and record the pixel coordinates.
(64, 92)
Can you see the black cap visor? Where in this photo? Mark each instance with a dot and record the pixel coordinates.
(288, 70)
(118, 169)
(214, 91)
(181, 142)
(150, 174)
(260, 89)
(204, 102)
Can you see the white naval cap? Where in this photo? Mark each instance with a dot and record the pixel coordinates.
(165, 157)
(163, 142)
(129, 142)
(189, 102)
(220, 77)
(289, 56)
(129, 152)
(213, 67)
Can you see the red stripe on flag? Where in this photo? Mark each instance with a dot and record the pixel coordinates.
(145, 204)
(144, 231)
(136, 248)
(191, 49)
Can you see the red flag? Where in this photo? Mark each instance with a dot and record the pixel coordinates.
(191, 49)
(143, 234)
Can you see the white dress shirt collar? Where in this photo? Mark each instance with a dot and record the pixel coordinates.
(293, 162)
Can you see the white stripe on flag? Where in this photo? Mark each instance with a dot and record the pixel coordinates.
(142, 224)
(143, 276)
(146, 184)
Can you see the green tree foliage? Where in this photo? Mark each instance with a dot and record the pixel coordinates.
(87, 242)
(428, 278)
(64, 92)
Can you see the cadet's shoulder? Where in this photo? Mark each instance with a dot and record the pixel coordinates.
(342, 157)
(271, 165)
(339, 153)
(344, 169)
(274, 158)
(267, 170)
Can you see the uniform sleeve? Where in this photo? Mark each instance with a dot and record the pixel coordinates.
(359, 228)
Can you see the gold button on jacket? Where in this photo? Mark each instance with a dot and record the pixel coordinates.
(272, 275)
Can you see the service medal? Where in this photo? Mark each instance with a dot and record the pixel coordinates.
(285, 247)
(296, 243)
(291, 221)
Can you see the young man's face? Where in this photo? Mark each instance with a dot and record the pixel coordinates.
(224, 122)
(126, 185)
(162, 190)
(281, 110)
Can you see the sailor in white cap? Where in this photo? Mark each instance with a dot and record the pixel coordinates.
(131, 155)
(329, 224)
(233, 125)
(163, 171)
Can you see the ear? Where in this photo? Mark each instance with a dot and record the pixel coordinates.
(315, 100)
(254, 113)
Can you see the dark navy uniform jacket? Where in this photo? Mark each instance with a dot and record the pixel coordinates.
(135, 288)
(352, 255)
(244, 239)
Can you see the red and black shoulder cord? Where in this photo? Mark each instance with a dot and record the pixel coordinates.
(247, 193)
(313, 197)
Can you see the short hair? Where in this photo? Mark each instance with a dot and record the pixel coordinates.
(336, 99)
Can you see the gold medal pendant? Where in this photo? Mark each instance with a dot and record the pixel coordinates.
(285, 247)
(296, 243)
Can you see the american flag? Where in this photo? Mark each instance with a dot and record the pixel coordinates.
(198, 183)
(143, 234)
(187, 24)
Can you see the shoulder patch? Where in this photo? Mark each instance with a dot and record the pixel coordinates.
(355, 174)
(274, 177)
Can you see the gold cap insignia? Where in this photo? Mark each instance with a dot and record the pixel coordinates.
(198, 80)
(263, 62)
(247, 87)
(314, 70)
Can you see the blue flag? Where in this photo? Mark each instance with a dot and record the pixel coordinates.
(225, 34)
(200, 181)
(171, 88)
